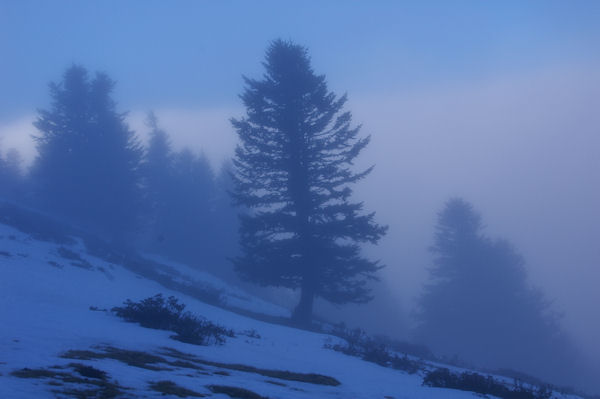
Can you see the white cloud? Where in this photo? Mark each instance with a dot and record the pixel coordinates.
(524, 149)
(16, 134)
(200, 129)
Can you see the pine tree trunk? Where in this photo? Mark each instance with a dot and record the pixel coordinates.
(302, 314)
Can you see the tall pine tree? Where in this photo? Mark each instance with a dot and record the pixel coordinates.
(292, 172)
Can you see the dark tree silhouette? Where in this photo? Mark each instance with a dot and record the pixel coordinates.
(87, 169)
(292, 172)
(479, 304)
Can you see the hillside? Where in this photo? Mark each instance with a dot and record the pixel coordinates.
(58, 337)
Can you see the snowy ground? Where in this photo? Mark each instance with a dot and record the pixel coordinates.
(45, 300)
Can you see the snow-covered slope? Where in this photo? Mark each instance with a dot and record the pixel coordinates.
(49, 335)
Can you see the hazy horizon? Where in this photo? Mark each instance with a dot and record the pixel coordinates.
(494, 102)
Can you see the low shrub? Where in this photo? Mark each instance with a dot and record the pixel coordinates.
(359, 344)
(194, 330)
(168, 314)
(484, 385)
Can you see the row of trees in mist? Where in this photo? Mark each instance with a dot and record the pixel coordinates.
(92, 171)
(190, 213)
(291, 176)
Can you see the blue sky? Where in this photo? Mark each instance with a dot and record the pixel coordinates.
(194, 52)
(496, 101)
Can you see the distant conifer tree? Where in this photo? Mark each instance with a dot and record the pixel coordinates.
(479, 304)
(87, 168)
(157, 174)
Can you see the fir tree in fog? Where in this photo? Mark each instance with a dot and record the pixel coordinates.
(293, 175)
(87, 168)
(479, 305)
(190, 212)
(226, 226)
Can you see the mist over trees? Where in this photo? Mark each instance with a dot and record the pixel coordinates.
(292, 174)
(479, 305)
(291, 178)
(189, 214)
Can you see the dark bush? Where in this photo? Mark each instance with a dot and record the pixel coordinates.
(405, 364)
(373, 350)
(376, 353)
(168, 314)
(193, 330)
(484, 385)
(89, 371)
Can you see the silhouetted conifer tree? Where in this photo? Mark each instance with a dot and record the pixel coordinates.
(292, 171)
(87, 168)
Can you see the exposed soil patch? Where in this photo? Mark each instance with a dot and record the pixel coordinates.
(310, 378)
(88, 371)
(132, 358)
(170, 388)
(91, 383)
(235, 392)
(55, 264)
